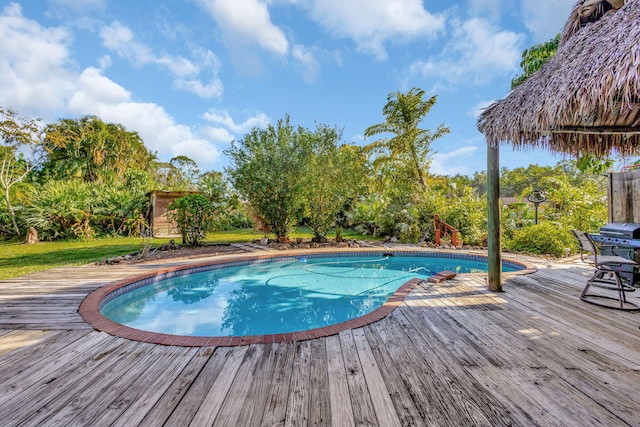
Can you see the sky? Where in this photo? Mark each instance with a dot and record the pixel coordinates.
(190, 76)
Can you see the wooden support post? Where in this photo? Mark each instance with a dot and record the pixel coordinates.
(493, 204)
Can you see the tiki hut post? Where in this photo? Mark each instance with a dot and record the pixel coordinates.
(493, 205)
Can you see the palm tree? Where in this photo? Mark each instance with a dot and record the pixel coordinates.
(92, 150)
(410, 147)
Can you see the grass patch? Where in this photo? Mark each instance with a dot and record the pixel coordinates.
(17, 259)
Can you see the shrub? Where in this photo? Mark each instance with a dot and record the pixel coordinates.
(195, 216)
(545, 238)
(60, 209)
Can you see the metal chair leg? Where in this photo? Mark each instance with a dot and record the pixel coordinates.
(604, 278)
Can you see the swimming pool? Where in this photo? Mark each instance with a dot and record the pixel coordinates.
(276, 295)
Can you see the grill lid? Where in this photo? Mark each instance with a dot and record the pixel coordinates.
(618, 229)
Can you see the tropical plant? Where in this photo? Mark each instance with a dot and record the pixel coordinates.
(118, 211)
(408, 151)
(60, 209)
(93, 151)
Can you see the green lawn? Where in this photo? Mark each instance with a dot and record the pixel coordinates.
(17, 259)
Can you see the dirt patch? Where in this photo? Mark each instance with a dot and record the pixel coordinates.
(176, 253)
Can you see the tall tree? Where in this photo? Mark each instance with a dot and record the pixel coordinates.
(181, 173)
(93, 151)
(268, 168)
(335, 177)
(409, 149)
(19, 153)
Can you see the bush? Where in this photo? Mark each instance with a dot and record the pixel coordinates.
(546, 238)
(195, 215)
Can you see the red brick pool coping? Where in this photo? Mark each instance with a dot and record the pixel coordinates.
(90, 312)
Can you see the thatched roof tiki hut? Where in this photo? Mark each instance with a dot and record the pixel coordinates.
(585, 100)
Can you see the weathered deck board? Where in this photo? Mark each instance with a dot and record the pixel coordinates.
(339, 399)
(162, 408)
(319, 410)
(299, 396)
(235, 400)
(363, 412)
(451, 354)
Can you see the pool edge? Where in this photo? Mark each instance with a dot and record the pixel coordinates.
(89, 309)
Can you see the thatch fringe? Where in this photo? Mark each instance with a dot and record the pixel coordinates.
(586, 11)
(584, 100)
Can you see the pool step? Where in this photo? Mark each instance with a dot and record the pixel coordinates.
(442, 276)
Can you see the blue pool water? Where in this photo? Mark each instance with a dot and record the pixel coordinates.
(289, 295)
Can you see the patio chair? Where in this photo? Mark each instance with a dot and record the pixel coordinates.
(607, 274)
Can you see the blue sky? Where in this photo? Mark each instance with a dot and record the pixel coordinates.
(192, 75)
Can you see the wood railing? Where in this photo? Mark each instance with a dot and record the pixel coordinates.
(442, 230)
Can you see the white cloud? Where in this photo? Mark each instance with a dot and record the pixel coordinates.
(121, 40)
(453, 162)
(37, 79)
(218, 134)
(100, 96)
(372, 23)
(225, 129)
(34, 74)
(545, 18)
(247, 23)
(224, 119)
(477, 52)
(307, 62)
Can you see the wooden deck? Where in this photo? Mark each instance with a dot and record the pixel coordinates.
(453, 354)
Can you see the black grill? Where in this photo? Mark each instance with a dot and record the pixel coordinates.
(622, 239)
(621, 230)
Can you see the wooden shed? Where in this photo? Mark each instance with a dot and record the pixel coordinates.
(159, 207)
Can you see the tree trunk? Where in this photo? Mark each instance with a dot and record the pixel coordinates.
(11, 211)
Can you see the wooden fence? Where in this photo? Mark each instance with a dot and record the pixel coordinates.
(624, 197)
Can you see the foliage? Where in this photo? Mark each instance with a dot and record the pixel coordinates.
(581, 207)
(534, 58)
(180, 174)
(214, 186)
(17, 134)
(589, 163)
(195, 215)
(408, 151)
(544, 238)
(66, 209)
(334, 177)
(92, 151)
(60, 210)
(268, 167)
(519, 182)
